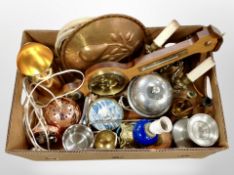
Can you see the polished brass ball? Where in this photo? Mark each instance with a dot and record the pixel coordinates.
(34, 58)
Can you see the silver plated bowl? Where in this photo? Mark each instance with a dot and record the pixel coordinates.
(77, 137)
(150, 95)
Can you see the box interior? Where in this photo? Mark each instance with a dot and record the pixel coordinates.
(16, 140)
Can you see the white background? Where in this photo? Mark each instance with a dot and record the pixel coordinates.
(15, 16)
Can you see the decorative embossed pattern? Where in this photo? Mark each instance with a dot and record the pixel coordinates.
(107, 38)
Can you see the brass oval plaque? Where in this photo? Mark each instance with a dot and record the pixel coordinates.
(106, 38)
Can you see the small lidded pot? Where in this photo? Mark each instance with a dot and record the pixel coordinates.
(62, 113)
(150, 95)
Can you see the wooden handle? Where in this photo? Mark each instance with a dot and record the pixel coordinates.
(201, 69)
(202, 42)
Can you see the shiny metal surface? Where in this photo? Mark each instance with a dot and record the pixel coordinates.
(126, 135)
(54, 134)
(203, 130)
(150, 95)
(84, 117)
(77, 137)
(66, 31)
(62, 113)
(105, 140)
(180, 133)
(105, 114)
(106, 83)
(34, 58)
(105, 38)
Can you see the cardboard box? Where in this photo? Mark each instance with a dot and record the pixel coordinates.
(17, 143)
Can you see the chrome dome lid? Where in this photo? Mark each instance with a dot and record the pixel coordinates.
(150, 95)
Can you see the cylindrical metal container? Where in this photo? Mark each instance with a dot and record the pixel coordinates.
(77, 137)
(180, 133)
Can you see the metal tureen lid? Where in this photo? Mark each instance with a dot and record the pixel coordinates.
(150, 95)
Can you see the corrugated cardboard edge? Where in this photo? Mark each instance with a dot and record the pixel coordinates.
(118, 154)
(7, 148)
(215, 90)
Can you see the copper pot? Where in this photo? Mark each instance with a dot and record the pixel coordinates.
(62, 113)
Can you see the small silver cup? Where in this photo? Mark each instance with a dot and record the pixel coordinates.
(77, 137)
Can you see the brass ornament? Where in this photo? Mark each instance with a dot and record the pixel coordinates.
(105, 140)
(182, 107)
(34, 58)
(106, 38)
(107, 83)
(126, 135)
(66, 31)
